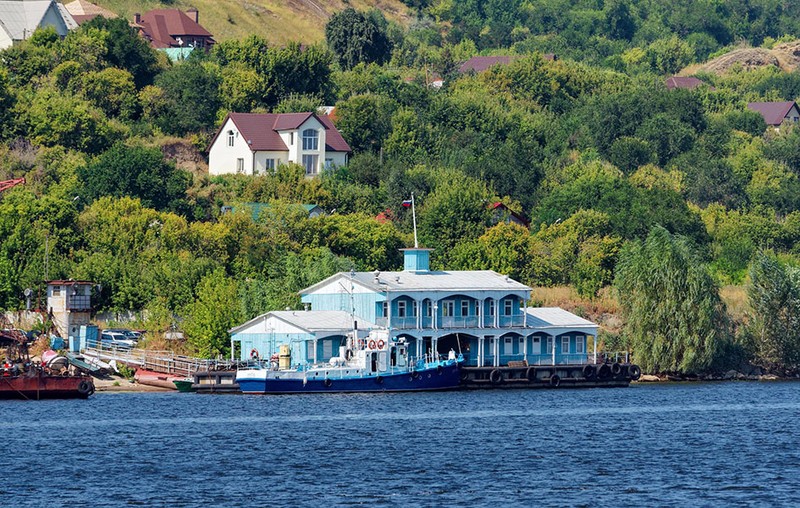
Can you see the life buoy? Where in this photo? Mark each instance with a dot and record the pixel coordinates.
(496, 376)
(555, 380)
(616, 369)
(371, 344)
(530, 374)
(634, 372)
(85, 388)
(588, 371)
(327, 382)
(254, 354)
(381, 343)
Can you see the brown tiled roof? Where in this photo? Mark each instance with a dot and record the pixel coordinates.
(87, 9)
(482, 63)
(683, 82)
(261, 130)
(163, 26)
(773, 112)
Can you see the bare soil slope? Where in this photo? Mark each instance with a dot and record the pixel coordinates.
(785, 56)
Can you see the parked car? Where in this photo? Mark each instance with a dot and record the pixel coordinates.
(115, 340)
(129, 334)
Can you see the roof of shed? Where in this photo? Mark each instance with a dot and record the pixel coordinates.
(311, 321)
(554, 317)
(466, 280)
(773, 112)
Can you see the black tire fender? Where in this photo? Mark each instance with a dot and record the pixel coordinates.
(588, 371)
(496, 377)
(530, 374)
(635, 372)
(555, 380)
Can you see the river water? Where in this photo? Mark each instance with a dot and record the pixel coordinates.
(719, 444)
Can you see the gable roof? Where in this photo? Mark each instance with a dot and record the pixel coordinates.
(164, 26)
(773, 112)
(501, 207)
(455, 281)
(83, 10)
(311, 321)
(556, 317)
(687, 82)
(482, 63)
(20, 18)
(261, 130)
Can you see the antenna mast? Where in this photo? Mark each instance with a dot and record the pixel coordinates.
(414, 218)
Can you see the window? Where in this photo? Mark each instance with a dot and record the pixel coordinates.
(310, 163)
(230, 138)
(328, 163)
(549, 345)
(401, 308)
(565, 345)
(448, 308)
(310, 139)
(491, 307)
(56, 290)
(414, 308)
(579, 344)
(291, 138)
(537, 345)
(465, 307)
(384, 309)
(427, 308)
(508, 346)
(269, 165)
(327, 349)
(240, 165)
(508, 307)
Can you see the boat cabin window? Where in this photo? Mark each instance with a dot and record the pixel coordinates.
(374, 362)
(393, 356)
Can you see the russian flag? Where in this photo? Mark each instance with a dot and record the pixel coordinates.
(406, 203)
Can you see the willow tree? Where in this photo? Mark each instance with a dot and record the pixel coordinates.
(673, 314)
(774, 294)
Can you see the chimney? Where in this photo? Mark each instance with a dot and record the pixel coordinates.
(193, 14)
(137, 18)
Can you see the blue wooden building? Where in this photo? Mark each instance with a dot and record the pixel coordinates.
(481, 314)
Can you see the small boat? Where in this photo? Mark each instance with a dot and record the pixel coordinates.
(184, 385)
(157, 379)
(20, 378)
(375, 364)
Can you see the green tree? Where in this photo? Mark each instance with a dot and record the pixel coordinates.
(191, 92)
(125, 49)
(357, 37)
(673, 314)
(216, 310)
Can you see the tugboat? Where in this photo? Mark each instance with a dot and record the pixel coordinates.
(22, 379)
(374, 364)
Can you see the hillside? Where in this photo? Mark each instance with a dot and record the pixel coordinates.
(278, 21)
(785, 56)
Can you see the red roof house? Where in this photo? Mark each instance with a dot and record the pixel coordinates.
(255, 143)
(172, 28)
(481, 63)
(505, 214)
(775, 113)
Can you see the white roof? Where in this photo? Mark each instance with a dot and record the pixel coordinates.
(312, 321)
(21, 17)
(466, 280)
(543, 317)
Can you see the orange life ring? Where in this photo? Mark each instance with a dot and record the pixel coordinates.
(361, 343)
(381, 343)
(371, 344)
(254, 354)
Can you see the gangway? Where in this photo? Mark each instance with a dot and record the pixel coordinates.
(166, 362)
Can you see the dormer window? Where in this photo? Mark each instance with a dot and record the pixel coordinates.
(310, 139)
(230, 138)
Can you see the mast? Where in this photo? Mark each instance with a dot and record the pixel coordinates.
(414, 218)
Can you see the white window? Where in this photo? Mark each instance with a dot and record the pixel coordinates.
(327, 349)
(537, 345)
(508, 346)
(230, 138)
(56, 290)
(427, 308)
(240, 165)
(328, 163)
(310, 163)
(414, 308)
(448, 308)
(385, 309)
(401, 308)
(549, 345)
(269, 164)
(565, 345)
(580, 341)
(508, 307)
(310, 139)
(491, 307)
(465, 307)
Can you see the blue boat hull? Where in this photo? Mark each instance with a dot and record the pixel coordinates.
(446, 378)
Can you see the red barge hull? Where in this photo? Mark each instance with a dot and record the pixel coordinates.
(38, 387)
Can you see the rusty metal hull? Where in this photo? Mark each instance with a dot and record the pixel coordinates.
(548, 376)
(42, 386)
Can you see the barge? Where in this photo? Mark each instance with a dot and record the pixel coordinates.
(522, 375)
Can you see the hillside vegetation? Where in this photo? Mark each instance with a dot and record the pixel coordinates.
(643, 201)
(277, 21)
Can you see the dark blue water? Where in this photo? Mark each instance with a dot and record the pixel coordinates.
(652, 445)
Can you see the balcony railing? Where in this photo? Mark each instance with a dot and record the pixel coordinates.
(446, 322)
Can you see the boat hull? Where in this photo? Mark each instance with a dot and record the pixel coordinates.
(259, 382)
(40, 387)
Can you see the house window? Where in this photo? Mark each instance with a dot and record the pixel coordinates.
(491, 307)
(508, 346)
(414, 308)
(580, 340)
(327, 349)
(401, 308)
(448, 308)
(240, 165)
(385, 309)
(465, 307)
(291, 138)
(56, 290)
(310, 139)
(269, 165)
(427, 308)
(537, 345)
(549, 345)
(565, 345)
(508, 307)
(230, 138)
(310, 163)
(328, 163)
